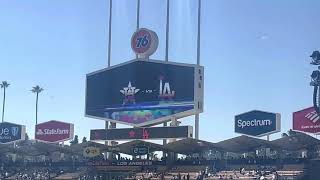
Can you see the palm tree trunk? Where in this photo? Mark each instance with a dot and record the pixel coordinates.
(4, 102)
(37, 108)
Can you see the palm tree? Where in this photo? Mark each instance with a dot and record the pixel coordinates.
(4, 85)
(37, 89)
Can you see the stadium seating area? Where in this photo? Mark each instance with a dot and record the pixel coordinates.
(235, 158)
(177, 172)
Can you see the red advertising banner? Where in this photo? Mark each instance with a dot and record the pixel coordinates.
(54, 131)
(306, 120)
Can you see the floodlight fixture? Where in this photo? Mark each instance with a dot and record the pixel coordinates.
(315, 58)
(315, 78)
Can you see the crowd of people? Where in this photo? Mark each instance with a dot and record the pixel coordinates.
(34, 175)
(148, 174)
(46, 170)
(27, 173)
(90, 177)
(238, 161)
(204, 174)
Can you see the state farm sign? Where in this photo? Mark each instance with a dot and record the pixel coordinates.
(54, 131)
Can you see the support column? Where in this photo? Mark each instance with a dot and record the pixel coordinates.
(113, 126)
(174, 123)
(196, 125)
(167, 31)
(198, 63)
(138, 19)
(106, 127)
(164, 142)
(112, 143)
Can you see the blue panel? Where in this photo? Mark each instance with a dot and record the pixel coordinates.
(255, 123)
(9, 132)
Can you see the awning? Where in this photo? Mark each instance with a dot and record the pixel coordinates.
(244, 143)
(190, 146)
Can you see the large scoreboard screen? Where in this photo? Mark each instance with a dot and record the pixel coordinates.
(142, 92)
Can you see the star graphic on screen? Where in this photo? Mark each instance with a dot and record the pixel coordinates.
(130, 90)
(132, 134)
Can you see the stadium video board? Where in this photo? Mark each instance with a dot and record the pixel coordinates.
(144, 92)
(141, 133)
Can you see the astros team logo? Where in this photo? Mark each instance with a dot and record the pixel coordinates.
(129, 93)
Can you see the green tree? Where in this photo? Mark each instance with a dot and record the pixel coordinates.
(27, 137)
(75, 140)
(4, 85)
(37, 89)
(84, 140)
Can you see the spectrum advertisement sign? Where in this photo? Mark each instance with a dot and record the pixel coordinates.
(54, 131)
(306, 120)
(144, 92)
(10, 132)
(257, 123)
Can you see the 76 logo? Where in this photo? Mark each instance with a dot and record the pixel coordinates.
(142, 41)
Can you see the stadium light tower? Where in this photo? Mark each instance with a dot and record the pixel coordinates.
(315, 80)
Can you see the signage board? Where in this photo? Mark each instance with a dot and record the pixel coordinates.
(10, 132)
(144, 42)
(306, 120)
(54, 131)
(91, 152)
(144, 92)
(257, 123)
(142, 133)
(140, 150)
(113, 149)
(123, 163)
(123, 166)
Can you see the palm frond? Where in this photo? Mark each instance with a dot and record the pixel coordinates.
(37, 89)
(4, 84)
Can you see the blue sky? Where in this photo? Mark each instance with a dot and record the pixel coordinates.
(255, 55)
